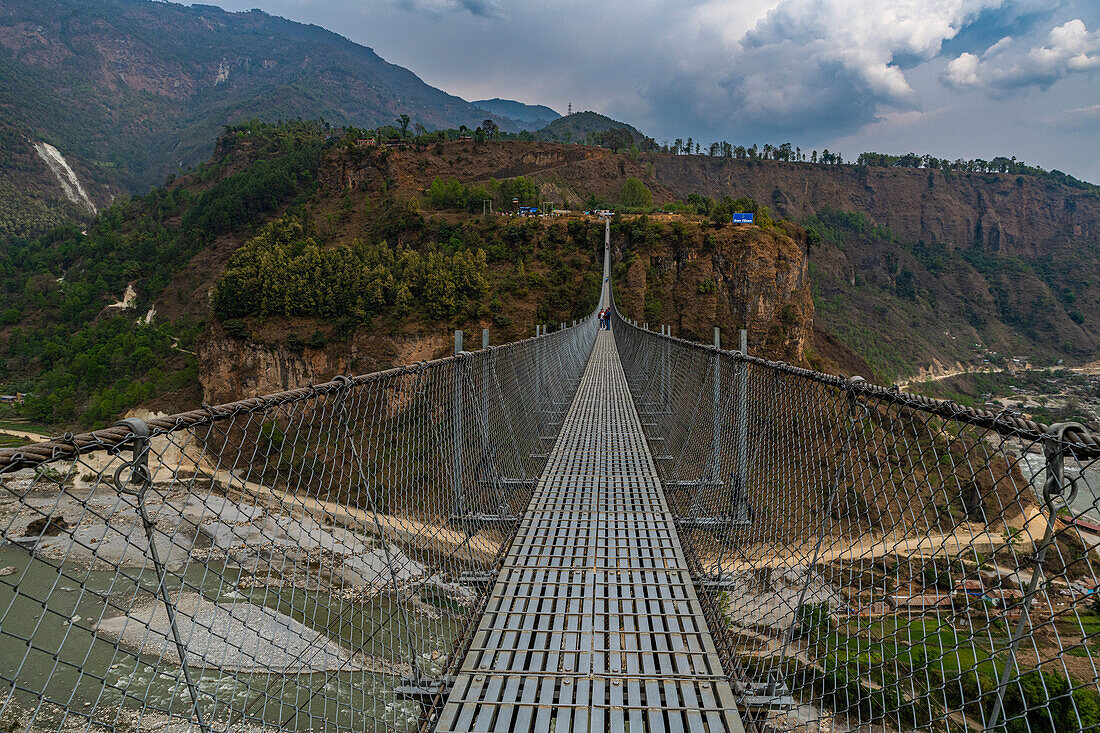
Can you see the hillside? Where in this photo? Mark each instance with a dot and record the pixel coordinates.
(129, 91)
(532, 116)
(579, 127)
(916, 267)
(35, 197)
(912, 270)
(292, 256)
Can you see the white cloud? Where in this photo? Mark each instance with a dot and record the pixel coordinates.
(963, 71)
(1079, 118)
(1069, 49)
(837, 63)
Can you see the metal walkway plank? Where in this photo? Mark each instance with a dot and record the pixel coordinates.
(593, 623)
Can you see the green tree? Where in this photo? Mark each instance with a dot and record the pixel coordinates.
(635, 194)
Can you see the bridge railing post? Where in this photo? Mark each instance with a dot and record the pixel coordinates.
(661, 372)
(741, 495)
(713, 468)
(1055, 485)
(489, 462)
(666, 372)
(137, 487)
(458, 387)
(486, 389)
(539, 385)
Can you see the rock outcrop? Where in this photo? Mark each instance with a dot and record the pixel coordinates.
(231, 369)
(700, 277)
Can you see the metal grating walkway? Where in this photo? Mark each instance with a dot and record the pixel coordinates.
(593, 624)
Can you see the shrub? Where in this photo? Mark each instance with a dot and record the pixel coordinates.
(237, 329)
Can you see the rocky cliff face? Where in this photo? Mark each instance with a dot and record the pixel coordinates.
(943, 268)
(1012, 215)
(923, 269)
(231, 369)
(696, 278)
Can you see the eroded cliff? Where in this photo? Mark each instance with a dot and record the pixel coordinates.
(695, 277)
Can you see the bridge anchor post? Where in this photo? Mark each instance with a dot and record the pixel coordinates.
(1055, 485)
(137, 486)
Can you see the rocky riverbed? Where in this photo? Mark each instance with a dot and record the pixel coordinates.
(271, 596)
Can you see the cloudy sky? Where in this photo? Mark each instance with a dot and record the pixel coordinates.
(954, 78)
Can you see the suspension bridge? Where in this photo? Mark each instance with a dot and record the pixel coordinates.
(590, 530)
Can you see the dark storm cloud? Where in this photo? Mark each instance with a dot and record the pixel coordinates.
(483, 8)
(810, 67)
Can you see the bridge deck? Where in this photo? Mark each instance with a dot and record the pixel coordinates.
(593, 624)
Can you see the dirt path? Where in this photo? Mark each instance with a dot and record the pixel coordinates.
(947, 374)
(26, 435)
(1033, 524)
(1090, 369)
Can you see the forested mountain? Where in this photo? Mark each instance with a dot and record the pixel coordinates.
(532, 116)
(579, 127)
(293, 255)
(296, 253)
(129, 91)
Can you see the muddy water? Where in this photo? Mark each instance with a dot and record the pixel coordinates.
(53, 652)
(1086, 503)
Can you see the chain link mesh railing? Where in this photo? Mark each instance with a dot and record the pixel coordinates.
(310, 561)
(874, 560)
(316, 560)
